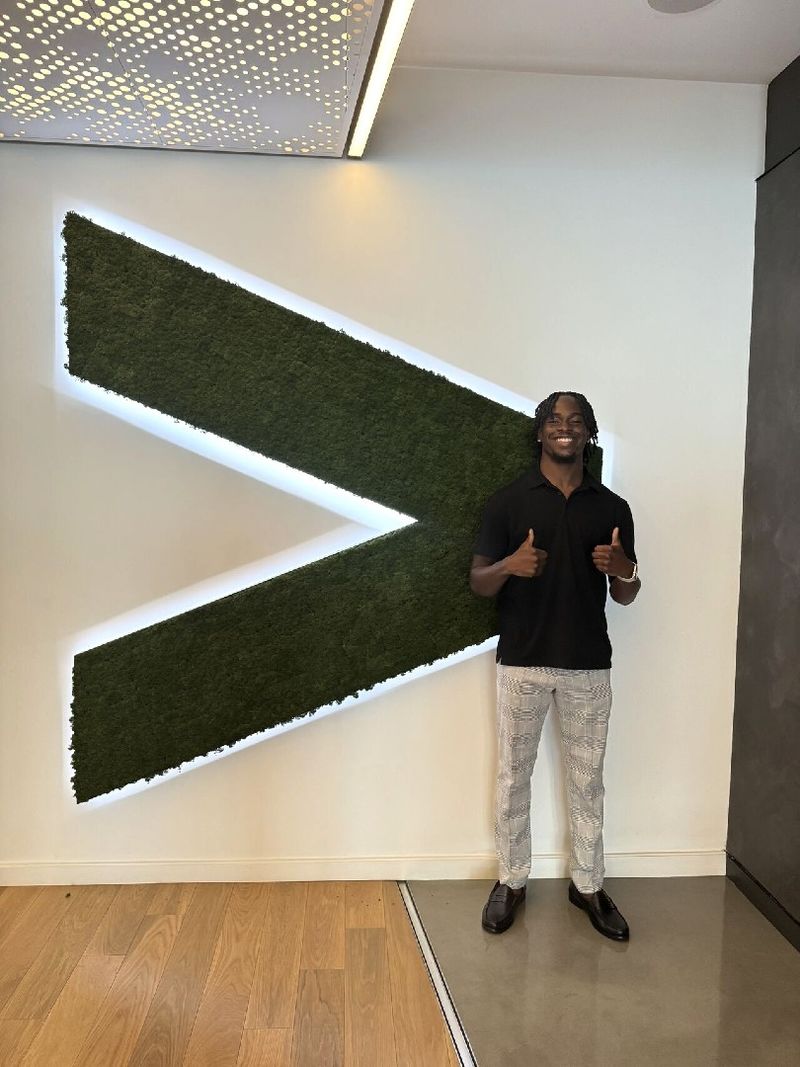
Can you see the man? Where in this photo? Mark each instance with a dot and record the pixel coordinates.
(547, 546)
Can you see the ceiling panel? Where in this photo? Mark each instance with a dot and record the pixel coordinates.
(273, 76)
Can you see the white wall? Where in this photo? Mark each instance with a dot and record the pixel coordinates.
(541, 231)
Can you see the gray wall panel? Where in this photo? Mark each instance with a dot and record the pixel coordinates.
(764, 818)
(783, 115)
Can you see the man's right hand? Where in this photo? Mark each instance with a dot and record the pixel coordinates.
(527, 561)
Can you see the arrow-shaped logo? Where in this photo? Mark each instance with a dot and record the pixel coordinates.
(180, 340)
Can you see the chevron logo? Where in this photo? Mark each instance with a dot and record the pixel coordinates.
(278, 383)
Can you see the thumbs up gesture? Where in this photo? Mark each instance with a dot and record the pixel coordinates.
(611, 559)
(528, 561)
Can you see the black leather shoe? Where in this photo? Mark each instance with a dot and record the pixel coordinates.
(498, 913)
(602, 911)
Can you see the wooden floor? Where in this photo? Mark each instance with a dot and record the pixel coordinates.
(298, 974)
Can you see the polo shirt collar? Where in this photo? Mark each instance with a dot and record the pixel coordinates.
(536, 478)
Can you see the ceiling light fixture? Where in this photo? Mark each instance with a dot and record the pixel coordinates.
(198, 74)
(678, 7)
(392, 34)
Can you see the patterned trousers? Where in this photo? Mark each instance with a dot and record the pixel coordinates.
(583, 702)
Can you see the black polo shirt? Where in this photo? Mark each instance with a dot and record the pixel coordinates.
(557, 619)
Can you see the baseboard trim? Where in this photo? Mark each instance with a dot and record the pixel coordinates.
(761, 897)
(665, 864)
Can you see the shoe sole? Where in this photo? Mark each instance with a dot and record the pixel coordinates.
(606, 933)
(497, 929)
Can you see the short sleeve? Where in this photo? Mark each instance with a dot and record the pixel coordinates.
(492, 539)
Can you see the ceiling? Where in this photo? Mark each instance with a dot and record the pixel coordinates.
(729, 40)
(284, 76)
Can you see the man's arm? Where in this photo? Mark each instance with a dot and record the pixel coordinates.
(487, 578)
(624, 592)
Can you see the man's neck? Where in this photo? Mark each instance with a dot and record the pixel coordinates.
(564, 476)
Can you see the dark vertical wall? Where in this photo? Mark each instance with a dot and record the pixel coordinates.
(783, 115)
(764, 819)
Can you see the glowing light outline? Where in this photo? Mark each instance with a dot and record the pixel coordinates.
(372, 519)
(393, 30)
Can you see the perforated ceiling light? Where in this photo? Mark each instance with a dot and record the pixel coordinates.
(264, 76)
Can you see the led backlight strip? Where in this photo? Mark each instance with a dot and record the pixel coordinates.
(393, 30)
(367, 519)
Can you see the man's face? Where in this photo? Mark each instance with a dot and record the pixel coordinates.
(563, 434)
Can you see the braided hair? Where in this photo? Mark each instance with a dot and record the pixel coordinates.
(545, 409)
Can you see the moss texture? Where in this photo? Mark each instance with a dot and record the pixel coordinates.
(180, 340)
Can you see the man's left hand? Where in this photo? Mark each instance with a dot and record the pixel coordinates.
(611, 559)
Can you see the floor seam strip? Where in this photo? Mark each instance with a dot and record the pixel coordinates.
(457, 1032)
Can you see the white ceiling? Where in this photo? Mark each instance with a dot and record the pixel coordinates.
(729, 40)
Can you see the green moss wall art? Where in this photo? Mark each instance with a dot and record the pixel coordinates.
(178, 339)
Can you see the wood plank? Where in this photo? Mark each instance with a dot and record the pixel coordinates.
(167, 1027)
(16, 1036)
(323, 933)
(118, 928)
(29, 935)
(116, 1029)
(363, 905)
(163, 892)
(266, 1048)
(217, 1032)
(13, 904)
(67, 1026)
(318, 1037)
(172, 899)
(45, 978)
(421, 1037)
(274, 995)
(369, 1037)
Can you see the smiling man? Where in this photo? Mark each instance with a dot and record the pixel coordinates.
(549, 546)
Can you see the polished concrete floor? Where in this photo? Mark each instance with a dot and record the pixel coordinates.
(704, 980)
